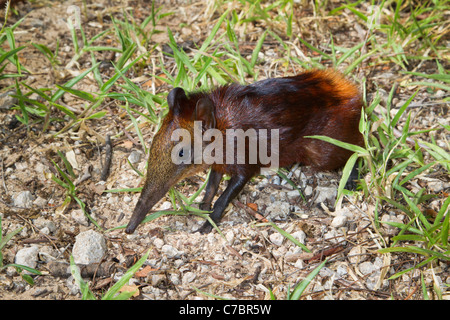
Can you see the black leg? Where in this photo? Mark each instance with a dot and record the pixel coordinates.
(352, 181)
(235, 185)
(210, 190)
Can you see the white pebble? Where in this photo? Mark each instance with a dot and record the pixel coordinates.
(188, 277)
(276, 238)
(27, 256)
(170, 251)
(24, 200)
(89, 247)
(158, 243)
(339, 221)
(366, 267)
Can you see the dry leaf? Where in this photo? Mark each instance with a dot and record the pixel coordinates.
(144, 272)
(127, 144)
(253, 206)
(130, 288)
(98, 188)
(70, 155)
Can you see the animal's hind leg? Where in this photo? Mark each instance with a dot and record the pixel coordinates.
(352, 181)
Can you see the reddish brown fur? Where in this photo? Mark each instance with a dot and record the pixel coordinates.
(320, 103)
(312, 103)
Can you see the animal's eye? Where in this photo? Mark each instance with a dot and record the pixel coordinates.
(181, 153)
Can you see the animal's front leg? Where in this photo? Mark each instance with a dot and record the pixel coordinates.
(211, 189)
(235, 185)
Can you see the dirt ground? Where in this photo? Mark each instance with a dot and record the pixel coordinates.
(252, 260)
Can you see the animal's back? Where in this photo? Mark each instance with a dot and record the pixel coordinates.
(312, 103)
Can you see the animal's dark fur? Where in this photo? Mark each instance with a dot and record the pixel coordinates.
(311, 103)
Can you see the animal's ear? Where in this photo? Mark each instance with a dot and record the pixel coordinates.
(175, 99)
(204, 111)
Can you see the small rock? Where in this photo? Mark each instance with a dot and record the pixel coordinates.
(308, 191)
(339, 221)
(279, 252)
(178, 263)
(46, 226)
(300, 236)
(341, 271)
(390, 230)
(89, 247)
(112, 200)
(170, 251)
(357, 254)
(24, 200)
(27, 257)
(40, 202)
(79, 217)
(276, 180)
(276, 238)
(188, 277)
(166, 205)
(219, 257)
(278, 210)
(159, 243)
(326, 272)
(47, 253)
(157, 279)
(175, 279)
(134, 157)
(230, 236)
(72, 285)
(334, 236)
(366, 267)
(439, 94)
(6, 101)
(293, 195)
(437, 186)
(325, 193)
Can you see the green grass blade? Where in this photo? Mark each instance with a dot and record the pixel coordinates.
(402, 109)
(300, 288)
(111, 293)
(288, 236)
(80, 94)
(10, 53)
(417, 172)
(72, 82)
(211, 36)
(414, 249)
(312, 48)
(446, 225)
(86, 293)
(108, 84)
(348, 146)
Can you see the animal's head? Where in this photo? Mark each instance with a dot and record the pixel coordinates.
(171, 156)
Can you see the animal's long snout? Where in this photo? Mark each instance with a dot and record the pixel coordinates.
(136, 219)
(149, 197)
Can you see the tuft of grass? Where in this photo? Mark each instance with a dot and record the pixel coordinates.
(67, 182)
(19, 267)
(114, 292)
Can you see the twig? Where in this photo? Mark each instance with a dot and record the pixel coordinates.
(108, 158)
(3, 177)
